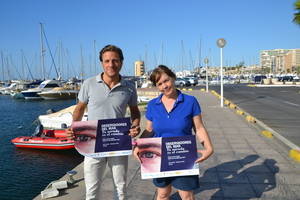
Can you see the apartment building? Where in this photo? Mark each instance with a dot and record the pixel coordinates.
(280, 60)
(292, 60)
(139, 68)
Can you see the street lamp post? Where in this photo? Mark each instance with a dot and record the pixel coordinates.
(206, 68)
(221, 43)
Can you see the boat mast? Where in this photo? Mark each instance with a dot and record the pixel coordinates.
(43, 35)
(146, 61)
(60, 60)
(2, 61)
(42, 51)
(200, 53)
(198, 61)
(182, 57)
(82, 63)
(23, 57)
(23, 70)
(162, 54)
(8, 71)
(95, 58)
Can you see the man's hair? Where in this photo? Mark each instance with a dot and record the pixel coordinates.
(111, 48)
(158, 71)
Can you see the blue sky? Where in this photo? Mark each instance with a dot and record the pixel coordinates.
(169, 32)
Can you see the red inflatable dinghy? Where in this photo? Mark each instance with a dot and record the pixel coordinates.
(58, 143)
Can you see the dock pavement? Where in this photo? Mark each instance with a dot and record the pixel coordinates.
(245, 164)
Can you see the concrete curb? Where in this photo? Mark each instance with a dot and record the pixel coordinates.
(295, 154)
(267, 134)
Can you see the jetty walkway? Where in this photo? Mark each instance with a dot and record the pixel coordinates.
(246, 164)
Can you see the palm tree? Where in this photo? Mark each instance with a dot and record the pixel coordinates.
(297, 14)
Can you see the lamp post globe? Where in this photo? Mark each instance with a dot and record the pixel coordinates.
(221, 42)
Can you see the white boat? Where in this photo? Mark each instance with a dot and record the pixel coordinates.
(7, 90)
(59, 93)
(44, 86)
(143, 99)
(21, 86)
(60, 119)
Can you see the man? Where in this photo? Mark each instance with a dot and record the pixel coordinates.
(107, 96)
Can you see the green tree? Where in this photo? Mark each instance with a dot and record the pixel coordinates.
(265, 70)
(239, 67)
(297, 14)
(241, 64)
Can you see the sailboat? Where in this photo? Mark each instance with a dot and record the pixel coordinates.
(46, 85)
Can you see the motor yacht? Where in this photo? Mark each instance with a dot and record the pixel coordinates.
(44, 86)
(59, 93)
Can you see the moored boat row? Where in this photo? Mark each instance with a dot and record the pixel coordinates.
(47, 90)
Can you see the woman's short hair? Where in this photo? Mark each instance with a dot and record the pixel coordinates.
(111, 48)
(158, 71)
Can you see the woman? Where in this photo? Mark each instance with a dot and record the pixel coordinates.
(174, 114)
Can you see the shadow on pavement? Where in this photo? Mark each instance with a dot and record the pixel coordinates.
(234, 179)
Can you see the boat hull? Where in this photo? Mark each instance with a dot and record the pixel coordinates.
(31, 95)
(43, 143)
(58, 95)
(46, 85)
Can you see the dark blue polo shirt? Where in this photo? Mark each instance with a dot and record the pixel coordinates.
(178, 122)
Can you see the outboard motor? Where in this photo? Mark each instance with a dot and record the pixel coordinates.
(50, 111)
(38, 130)
(64, 126)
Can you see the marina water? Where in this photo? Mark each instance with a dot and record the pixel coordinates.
(24, 173)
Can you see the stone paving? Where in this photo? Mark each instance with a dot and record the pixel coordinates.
(245, 165)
